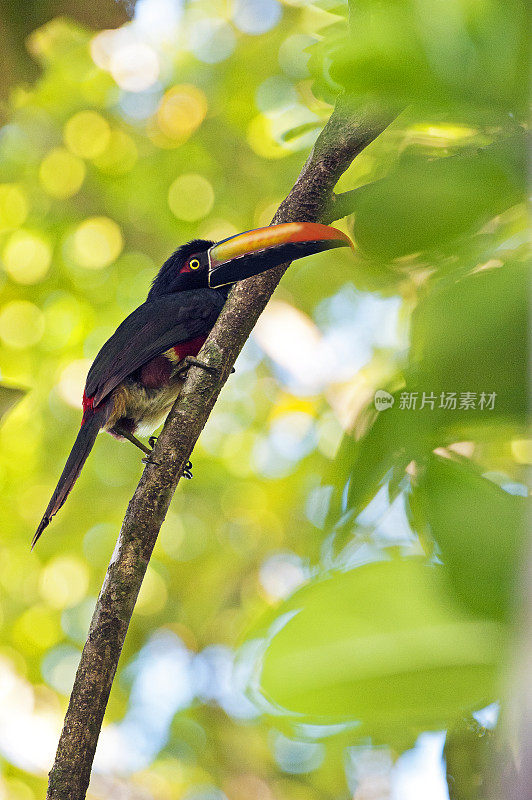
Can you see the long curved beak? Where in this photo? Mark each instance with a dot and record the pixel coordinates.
(256, 251)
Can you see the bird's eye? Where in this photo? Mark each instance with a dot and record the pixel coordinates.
(194, 263)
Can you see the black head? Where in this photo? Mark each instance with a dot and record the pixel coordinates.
(201, 263)
(187, 268)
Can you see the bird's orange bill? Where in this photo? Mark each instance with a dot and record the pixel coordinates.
(250, 253)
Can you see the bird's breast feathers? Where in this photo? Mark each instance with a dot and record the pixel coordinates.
(146, 397)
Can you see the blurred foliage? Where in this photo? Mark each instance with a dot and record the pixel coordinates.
(468, 746)
(410, 659)
(483, 565)
(403, 524)
(423, 206)
(453, 55)
(9, 396)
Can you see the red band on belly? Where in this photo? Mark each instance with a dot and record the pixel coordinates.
(156, 373)
(190, 348)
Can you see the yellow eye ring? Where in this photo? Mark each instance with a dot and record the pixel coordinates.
(194, 264)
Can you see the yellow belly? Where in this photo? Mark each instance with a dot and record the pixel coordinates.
(147, 407)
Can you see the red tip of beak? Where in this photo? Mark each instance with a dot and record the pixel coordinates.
(311, 231)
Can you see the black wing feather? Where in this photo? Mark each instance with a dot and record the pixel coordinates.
(152, 328)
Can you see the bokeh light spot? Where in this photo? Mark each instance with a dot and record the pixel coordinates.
(21, 324)
(293, 55)
(153, 595)
(98, 543)
(265, 211)
(158, 20)
(140, 105)
(261, 140)
(181, 111)
(128, 56)
(276, 93)
(119, 156)
(17, 790)
(211, 40)
(102, 46)
(37, 627)
(64, 582)
(217, 229)
(75, 620)
(256, 16)
(64, 317)
(72, 381)
(13, 206)
(190, 197)
(297, 757)
(183, 538)
(59, 668)
(86, 134)
(134, 66)
(281, 574)
(61, 173)
(97, 242)
(522, 450)
(206, 792)
(15, 570)
(27, 257)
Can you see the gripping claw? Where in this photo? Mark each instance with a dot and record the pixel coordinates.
(192, 361)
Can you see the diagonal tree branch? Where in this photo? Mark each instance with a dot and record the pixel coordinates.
(346, 134)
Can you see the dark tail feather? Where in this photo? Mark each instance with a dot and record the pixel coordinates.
(78, 455)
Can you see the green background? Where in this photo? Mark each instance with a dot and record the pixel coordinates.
(400, 532)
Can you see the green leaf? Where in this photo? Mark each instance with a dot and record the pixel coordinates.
(382, 644)
(426, 204)
(471, 335)
(481, 530)
(301, 130)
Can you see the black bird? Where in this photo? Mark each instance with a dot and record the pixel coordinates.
(135, 378)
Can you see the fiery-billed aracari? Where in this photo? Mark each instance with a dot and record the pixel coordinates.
(135, 377)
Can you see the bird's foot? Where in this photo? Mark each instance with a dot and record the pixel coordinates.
(187, 470)
(119, 430)
(149, 459)
(191, 361)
